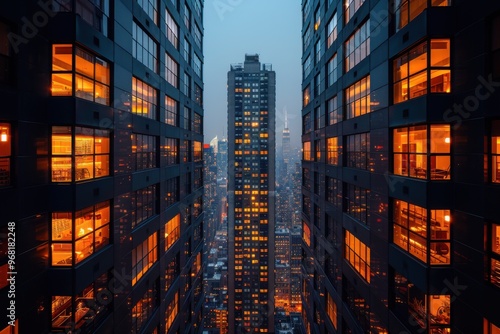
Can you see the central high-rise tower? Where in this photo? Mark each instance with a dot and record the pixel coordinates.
(251, 172)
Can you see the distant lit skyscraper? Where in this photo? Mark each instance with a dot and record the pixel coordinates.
(222, 159)
(251, 186)
(282, 298)
(285, 143)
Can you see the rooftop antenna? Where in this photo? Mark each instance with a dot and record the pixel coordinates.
(286, 118)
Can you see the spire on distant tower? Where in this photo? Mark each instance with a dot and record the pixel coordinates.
(286, 119)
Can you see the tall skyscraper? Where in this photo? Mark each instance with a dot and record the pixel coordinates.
(285, 143)
(251, 186)
(401, 135)
(282, 297)
(101, 166)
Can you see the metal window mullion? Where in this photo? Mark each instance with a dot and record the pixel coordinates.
(73, 155)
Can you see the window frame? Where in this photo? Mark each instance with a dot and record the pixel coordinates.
(333, 110)
(172, 29)
(148, 249)
(332, 151)
(331, 30)
(172, 230)
(359, 262)
(172, 70)
(171, 111)
(403, 64)
(358, 103)
(150, 7)
(424, 240)
(75, 173)
(493, 251)
(355, 5)
(144, 151)
(357, 202)
(146, 96)
(494, 152)
(357, 150)
(64, 237)
(356, 49)
(144, 204)
(79, 76)
(152, 60)
(400, 5)
(332, 70)
(429, 153)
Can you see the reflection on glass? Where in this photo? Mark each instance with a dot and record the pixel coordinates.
(332, 151)
(358, 255)
(91, 156)
(90, 74)
(306, 150)
(81, 312)
(307, 96)
(357, 98)
(411, 232)
(412, 75)
(89, 230)
(411, 156)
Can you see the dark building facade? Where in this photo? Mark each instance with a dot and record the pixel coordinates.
(101, 165)
(251, 198)
(400, 174)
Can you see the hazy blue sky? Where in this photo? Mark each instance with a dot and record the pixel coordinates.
(270, 28)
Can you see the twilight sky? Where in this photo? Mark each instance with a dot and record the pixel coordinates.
(270, 28)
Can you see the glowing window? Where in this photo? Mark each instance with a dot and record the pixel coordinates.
(419, 72)
(358, 255)
(79, 71)
(90, 158)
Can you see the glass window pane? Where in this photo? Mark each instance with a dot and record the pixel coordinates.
(62, 254)
(418, 85)
(418, 139)
(102, 71)
(62, 84)
(440, 81)
(101, 93)
(62, 226)
(439, 309)
(61, 169)
(84, 63)
(440, 52)
(418, 58)
(418, 165)
(418, 246)
(440, 138)
(416, 7)
(84, 167)
(440, 167)
(84, 88)
(62, 57)
(400, 68)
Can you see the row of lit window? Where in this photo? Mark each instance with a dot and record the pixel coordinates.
(423, 69)
(419, 151)
(88, 150)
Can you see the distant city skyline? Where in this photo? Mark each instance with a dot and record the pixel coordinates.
(230, 33)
